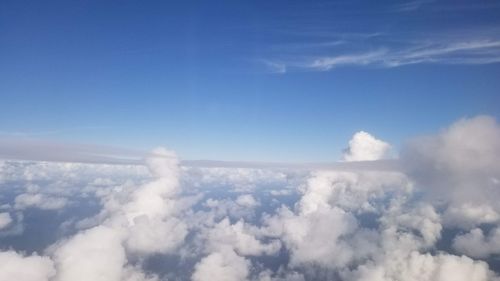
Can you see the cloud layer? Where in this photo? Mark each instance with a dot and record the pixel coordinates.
(436, 218)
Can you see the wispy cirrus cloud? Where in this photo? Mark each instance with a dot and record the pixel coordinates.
(395, 37)
(464, 52)
(329, 62)
(411, 5)
(275, 66)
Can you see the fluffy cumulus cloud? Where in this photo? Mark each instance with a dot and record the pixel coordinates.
(364, 146)
(246, 200)
(94, 254)
(14, 266)
(467, 215)
(425, 267)
(306, 234)
(460, 164)
(140, 221)
(240, 238)
(476, 244)
(436, 217)
(223, 265)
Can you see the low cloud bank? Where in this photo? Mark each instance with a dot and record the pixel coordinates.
(435, 218)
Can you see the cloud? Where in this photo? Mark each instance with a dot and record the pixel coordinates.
(155, 235)
(411, 5)
(305, 236)
(240, 238)
(94, 254)
(322, 229)
(234, 170)
(43, 150)
(425, 267)
(327, 63)
(225, 265)
(459, 164)
(467, 216)
(69, 172)
(16, 225)
(140, 221)
(14, 266)
(220, 208)
(247, 200)
(433, 52)
(363, 147)
(275, 67)
(476, 244)
(358, 220)
(410, 228)
(451, 51)
(41, 201)
(351, 191)
(5, 220)
(281, 276)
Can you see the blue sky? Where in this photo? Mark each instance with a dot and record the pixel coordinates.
(245, 80)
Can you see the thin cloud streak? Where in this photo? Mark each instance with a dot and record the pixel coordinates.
(328, 63)
(376, 165)
(471, 52)
(411, 6)
(53, 151)
(275, 67)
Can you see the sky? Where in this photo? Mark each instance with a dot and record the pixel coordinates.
(339, 140)
(245, 80)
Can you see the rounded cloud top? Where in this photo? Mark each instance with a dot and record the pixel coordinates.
(365, 147)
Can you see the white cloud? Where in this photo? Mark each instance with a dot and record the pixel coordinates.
(65, 172)
(346, 224)
(459, 164)
(275, 67)
(424, 267)
(5, 220)
(95, 254)
(322, 230)
(247, 200)
(364, 146)
(476, 244)
(14, 266)
(141, 221)
(467, 216)
(224, 265)
(327, 63)
(281, 276)
(43, 150)
(418, 227)
(155, 235)
(281, 192)
(226, 208)
(238, 179)
(306, 237)
(41, 201)
(136, 274)
(240, 238)
(411, 5)
(353, 191)
(476, 51)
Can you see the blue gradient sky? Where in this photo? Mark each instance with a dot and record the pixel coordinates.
(245, 80)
